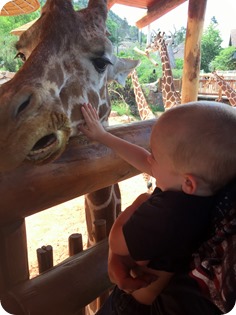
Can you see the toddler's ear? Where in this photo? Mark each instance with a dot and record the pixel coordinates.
(189, 185)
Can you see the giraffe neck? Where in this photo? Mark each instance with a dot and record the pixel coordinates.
(98, 206)
(229, 92)
(144, 110)
(169, 94)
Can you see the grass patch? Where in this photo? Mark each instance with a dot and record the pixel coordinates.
(121, 108)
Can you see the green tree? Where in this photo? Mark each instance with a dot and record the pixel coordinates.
(210, 45)
(112, 27)
(133, 32)
(8, 23)
(119, 30)
(8, 53)
(7, 40)
(178, 36)
(225, 60)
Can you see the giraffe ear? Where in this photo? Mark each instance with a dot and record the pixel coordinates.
(98, 12)
(120, 69)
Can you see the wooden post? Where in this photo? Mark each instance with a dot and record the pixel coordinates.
(14, 258)
(192, 53)
(75, 244)
(75, 247)
(100, 233)
(45, 258)
(65, 289)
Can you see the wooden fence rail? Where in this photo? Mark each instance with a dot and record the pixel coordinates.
(204, 88)
(27, 190)
(64, 289)
(213, 88)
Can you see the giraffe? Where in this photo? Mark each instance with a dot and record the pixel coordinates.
(226, 88)
(170, 96)
(68, 61)
(144, 109)
(145, 113)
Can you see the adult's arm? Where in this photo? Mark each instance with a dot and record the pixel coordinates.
(117, 240)
(120, 263)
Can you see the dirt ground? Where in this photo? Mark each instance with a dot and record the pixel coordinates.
(54, 226)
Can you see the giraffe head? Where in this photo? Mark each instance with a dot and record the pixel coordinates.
(158, 41)
(68, 61)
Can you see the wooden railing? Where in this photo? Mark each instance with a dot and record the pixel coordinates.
(210, 89)
(213, 88)
(77, 281)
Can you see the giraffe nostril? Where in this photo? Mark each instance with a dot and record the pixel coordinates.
(23, 106)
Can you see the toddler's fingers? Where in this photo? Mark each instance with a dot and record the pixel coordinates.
(93, 111)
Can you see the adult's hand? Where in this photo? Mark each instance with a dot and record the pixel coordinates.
(124, 272)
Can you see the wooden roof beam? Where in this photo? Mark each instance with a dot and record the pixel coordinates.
(110, 3)
(157, 10)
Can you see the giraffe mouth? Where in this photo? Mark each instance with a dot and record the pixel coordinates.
(43, 148)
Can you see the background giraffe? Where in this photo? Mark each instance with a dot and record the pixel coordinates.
(170, 96)
(226, 88)
(145, 113)
(144, 109)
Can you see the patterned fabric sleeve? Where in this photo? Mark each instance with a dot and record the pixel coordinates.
(214, 264)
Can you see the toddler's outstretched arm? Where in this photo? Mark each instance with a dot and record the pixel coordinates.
(131, 153)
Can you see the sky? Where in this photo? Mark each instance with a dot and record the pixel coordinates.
(224, 11)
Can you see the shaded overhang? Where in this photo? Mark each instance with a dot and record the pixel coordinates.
(154, 8)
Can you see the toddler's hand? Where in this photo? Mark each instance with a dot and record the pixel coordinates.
(93, 128)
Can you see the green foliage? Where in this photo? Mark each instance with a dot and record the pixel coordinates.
(121, 108)
(134, 34)
(7, 41)
(225, 60)
(8, 23)
(210, 45)
(119, 29)
(112, 27)
(179, 64)
(147, 72)
(177, 73)
(179, 36)
(8, 53)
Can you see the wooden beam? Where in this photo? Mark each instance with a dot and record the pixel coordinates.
(14, 259)
(65, 288)
(81, 169)
(192, 52)
(157, 10)
(110, 3)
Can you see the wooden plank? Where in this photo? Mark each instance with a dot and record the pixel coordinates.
(81, 169)
(14, 259)
(157, 10)
(142, 4)
(110, 3)
(64, 289)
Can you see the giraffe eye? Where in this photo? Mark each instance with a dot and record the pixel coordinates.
(100, 64)
(23, 105)
(21, 56)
